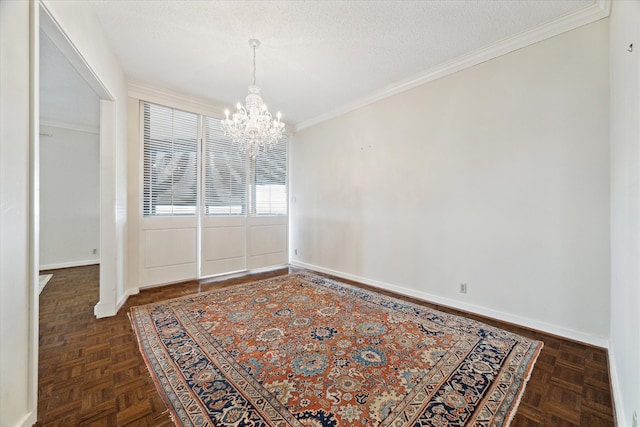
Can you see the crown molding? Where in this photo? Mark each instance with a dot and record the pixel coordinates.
(178, 100)
(181, 101)
(599, 9)
(69, 126)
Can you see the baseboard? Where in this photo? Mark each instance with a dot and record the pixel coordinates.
(70, 264)
(451, 303)
(234, 274)
(101, 310)
(126, 295)
(219, 277)
(28, 420)
(203, 280)
(615, 388)
(42, 285)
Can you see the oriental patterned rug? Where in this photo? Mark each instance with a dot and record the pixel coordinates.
(302, 350)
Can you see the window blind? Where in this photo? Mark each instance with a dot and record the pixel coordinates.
(269, 189)
(170, 161)
(225, 173)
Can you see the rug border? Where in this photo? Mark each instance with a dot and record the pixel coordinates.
(163, 396)
(513, 411)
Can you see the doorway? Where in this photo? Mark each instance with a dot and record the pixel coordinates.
(69, 164)
(110, 256)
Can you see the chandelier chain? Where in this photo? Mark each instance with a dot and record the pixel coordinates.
(254, 64)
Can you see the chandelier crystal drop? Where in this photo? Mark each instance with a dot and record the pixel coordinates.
(252, 127)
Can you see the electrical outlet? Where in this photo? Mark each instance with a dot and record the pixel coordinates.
(463, 288)
(634, 421)
(95, 251)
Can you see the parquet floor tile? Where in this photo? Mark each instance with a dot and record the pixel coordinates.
(92, 374)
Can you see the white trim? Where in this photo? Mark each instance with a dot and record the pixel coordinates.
(616, 394)
(80, 263)
(49, 24)
(28, 420)
(219, 277)
(34, 215)
(46, 281)
(127, 294)
(69, 126)
(447, 302)
(101, 310)
(140, 191)
(162, 96)
(109, 248)
(98, 309)
(241, 273)
(203, 281)
(193, 104)
(597, 10)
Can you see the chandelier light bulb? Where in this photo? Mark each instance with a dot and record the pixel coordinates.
(253, 128)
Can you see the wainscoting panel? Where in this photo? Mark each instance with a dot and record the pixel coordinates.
(223, 245)
(169, 247)
(267, 242)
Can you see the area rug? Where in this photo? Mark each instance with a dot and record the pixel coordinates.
(303, 350)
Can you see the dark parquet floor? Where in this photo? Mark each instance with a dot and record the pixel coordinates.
(91, 372)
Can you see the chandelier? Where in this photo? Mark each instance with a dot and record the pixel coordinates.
(252, 127)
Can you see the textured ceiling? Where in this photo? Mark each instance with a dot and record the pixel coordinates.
(316, 56)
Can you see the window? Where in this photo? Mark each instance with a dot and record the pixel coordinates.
(225, 173)
(170, 161)
(269, 195)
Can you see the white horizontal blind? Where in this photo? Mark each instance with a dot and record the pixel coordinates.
(225, 173)
(269, 190)
(170, 161)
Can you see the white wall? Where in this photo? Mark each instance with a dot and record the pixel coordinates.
(81, 27)
(625, 208)
(496, 176)
(69, 197)
(18, 301)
